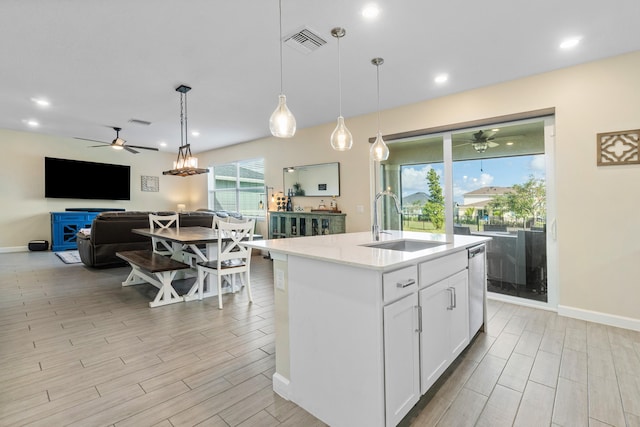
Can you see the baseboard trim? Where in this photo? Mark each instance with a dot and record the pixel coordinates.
(576, 313)
(599, 317)
(10, 249)
(281, 386)
(519, 301)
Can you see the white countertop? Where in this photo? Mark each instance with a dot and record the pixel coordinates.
(347, 248)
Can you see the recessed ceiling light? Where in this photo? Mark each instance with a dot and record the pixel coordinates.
(371, 11)
(163, 144)
(495, 130)
(510, 143)
(441, 78)
(195, 133)
(41, 102)
(570, 43)
(31, 122)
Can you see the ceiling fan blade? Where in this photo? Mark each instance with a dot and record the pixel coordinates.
(492, 144)
(92, 140)
(131, 150)
(142, 148)
(99, 146)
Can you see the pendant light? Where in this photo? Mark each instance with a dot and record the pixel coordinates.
(282, 123)
(186, 164)
(379, 150)
(341, 139)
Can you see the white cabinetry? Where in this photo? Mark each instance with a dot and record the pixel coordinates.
(445, 330)
(401, 344)
(364, 345)
(423, 331)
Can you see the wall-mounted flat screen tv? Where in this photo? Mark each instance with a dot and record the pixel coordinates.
(76, 179)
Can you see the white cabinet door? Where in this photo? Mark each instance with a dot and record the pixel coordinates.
(434, 340)
(445, 326)
(401, 357)
(459, 315)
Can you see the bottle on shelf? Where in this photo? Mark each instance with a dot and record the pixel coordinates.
(334, 204)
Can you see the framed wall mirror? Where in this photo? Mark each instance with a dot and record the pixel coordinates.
(313, 180)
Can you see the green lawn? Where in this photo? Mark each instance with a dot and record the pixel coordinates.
(423, 226)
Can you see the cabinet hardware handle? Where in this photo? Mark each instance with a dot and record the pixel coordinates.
(455, 298)
(406, 283)
(450, 299)
(419, 308)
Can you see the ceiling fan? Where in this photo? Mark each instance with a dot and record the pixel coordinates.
(482, 140)
(118, 143)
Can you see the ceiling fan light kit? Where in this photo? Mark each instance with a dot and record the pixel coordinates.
(186, 164)
(118, 143)
(480, 147)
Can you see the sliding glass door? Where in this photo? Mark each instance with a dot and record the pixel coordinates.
(491, 181)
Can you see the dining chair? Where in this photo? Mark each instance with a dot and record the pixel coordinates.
(233, 219)
(233, 256)
(160, 246)
(191, 257)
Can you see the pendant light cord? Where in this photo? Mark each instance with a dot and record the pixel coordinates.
(181, 119)
(339, 81)
(184, 137)
(186, 124)
(378, 85)
(280, 43)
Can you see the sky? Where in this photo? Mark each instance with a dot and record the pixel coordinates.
(473, 174)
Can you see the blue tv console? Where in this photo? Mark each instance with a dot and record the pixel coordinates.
(65, 226)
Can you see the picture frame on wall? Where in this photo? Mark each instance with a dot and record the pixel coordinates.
(150, 183)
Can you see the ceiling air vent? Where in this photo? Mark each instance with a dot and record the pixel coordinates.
(304, 40)
(139, 122)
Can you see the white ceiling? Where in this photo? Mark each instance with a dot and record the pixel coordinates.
(102, 63)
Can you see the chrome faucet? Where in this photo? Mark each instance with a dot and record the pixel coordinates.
(375, 229)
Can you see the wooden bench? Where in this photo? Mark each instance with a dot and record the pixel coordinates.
(159, 270)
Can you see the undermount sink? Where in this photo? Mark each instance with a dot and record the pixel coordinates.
(405, 245)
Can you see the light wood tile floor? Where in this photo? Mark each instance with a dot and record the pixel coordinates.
(78, 349)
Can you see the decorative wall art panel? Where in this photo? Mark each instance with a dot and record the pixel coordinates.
(150, 183)
(619, 148)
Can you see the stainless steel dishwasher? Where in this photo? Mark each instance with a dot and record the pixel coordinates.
(477, 286)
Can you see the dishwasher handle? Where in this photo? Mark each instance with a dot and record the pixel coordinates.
(476, 250)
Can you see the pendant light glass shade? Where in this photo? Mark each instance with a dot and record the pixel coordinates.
(282, 123)
(341, 139)
(379, 150)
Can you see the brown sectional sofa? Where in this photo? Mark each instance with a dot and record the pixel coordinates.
(111, 232)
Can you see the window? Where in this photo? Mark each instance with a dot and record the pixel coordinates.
(497, 187)
(238, 187)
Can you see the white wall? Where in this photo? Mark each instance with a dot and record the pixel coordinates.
(598, 241)
(25, 212)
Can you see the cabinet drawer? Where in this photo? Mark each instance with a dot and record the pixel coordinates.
(396, 284)
(441, 268)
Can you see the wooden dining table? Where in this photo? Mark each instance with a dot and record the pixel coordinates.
(191, 238)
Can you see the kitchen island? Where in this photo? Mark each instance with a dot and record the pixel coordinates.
(363, 331)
